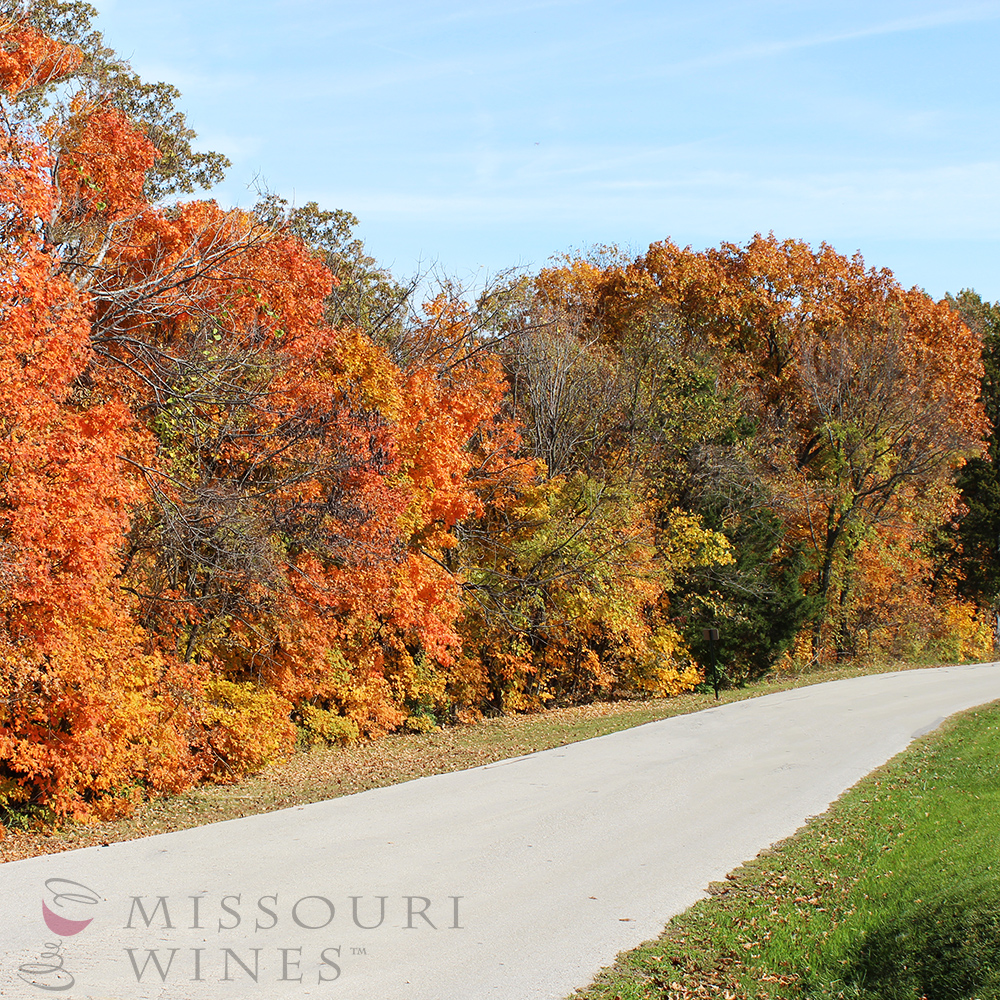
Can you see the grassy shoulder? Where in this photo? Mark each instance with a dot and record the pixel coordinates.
(319, 774)
(896, 884)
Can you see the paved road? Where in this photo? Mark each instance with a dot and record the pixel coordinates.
(513, 881)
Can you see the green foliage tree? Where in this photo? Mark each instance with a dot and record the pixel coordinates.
(757, 601)
(975, 538)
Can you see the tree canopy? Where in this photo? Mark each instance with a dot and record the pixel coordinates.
(253, 491)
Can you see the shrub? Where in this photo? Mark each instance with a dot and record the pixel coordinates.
(246, 726)
(321, 726)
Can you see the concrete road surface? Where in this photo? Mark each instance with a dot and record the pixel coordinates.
(511, 881)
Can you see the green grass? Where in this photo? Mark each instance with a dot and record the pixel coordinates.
(902, 873)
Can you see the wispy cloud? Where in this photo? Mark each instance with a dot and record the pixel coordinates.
(764, 50)
(493, 129)
(483, 11)
(944, 202)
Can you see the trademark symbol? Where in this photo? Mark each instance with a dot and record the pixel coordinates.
(357, 951)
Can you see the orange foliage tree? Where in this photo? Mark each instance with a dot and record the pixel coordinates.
(85, 711)
(860, 398)
(256, 506)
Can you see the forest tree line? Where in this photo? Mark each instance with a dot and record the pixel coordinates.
(253, 491)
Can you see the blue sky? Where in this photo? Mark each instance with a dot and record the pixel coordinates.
(482, 135)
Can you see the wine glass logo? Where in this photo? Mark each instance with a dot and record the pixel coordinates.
(70, 896)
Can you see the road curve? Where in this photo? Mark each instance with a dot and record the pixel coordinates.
(512, 881)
